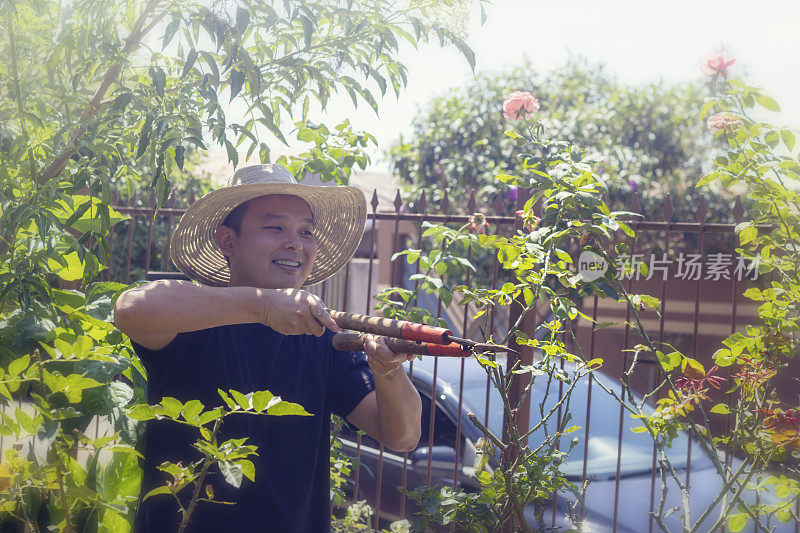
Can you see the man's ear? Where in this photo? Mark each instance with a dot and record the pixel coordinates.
(225, 238)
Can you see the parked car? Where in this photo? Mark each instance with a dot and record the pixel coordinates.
(633, 496)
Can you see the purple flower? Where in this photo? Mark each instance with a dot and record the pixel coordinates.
(511, 193)
(634, 185)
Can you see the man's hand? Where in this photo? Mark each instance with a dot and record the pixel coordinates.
(381, 359)
(295, 312)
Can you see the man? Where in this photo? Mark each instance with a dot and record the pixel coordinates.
(248, 326)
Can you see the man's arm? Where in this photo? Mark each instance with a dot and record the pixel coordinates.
(391, 414)
(153, 314)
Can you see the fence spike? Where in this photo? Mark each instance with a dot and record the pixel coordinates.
(471, 203)
(152, 199)
(374, 200)
(173, 198)
(398, 202)
(423, 202)
(498, 205)
(668, 210)
(191, 196)
(445, 204)
(114, 197)
(738, 210)
(702, 209)
(637, 205)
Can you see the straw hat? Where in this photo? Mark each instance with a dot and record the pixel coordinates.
(340, 214)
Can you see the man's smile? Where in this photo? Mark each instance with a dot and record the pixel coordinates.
(287, 264)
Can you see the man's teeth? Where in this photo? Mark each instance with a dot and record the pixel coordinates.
(287, 263)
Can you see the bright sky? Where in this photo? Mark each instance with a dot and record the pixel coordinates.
(640, 41)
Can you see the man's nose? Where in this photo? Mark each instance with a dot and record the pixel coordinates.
(293, 242)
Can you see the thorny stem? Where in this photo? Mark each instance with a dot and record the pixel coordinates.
(702, 438)
(726, 512)
(199, 483)
(721, 495)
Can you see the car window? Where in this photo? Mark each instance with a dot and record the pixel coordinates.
(444, 430)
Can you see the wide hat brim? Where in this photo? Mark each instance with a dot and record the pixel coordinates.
(340, 215)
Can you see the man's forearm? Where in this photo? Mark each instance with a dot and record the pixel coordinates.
(176, 306)
(399, 410)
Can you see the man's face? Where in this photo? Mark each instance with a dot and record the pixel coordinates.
(275, 247)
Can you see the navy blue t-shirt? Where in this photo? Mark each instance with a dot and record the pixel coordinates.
(291, 492)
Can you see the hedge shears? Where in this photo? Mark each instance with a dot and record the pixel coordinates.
(406, 337)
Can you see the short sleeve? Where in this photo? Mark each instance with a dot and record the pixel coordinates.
(350, 381)
(147, 355)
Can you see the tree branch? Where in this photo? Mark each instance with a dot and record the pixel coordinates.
(131, 43)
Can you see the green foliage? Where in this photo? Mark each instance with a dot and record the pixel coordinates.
(231, 457)
(765, 430)
(646, 135)
(108, 97)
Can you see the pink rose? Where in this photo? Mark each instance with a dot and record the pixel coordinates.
(520, 105)
(722, 121)
(717, 64)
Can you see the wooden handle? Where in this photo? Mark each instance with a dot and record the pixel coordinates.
(388, 327)
(354, 342)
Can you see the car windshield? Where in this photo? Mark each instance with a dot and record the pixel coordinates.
(637, 448)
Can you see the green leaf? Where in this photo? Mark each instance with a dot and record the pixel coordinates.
(261, 399)
(708, 178)
(191, 57)
(772, 138)
(706, 108)
(241, 399)
(231, 472)
(172, 27)
(237, 80)
(227, 399)
(564, 256)
(737, 522)
(608, 290)
(242, 19)
(208, 416)
(308, 30)
(788, 139)
(747, 234)
(466, 51)
(192, 410)
(248, 469)
(156, 491)
(28, 424)
(669, 361)
(71, 271)
(19, 365)
(721, 409)
(172, 407)
(159, 78)
(233, 155)
(767, 102)
(281, 408)
(141, 412)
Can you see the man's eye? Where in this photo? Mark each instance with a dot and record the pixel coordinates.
(308, 233)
